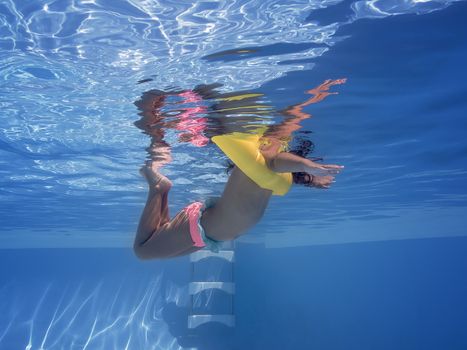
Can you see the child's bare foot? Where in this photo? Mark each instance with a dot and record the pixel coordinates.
(154, 178)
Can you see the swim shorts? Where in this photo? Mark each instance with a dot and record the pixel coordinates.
(198, 235)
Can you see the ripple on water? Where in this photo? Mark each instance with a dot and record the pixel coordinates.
(69, 73)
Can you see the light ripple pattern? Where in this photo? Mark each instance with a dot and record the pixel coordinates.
(68, 75)
(79, 316)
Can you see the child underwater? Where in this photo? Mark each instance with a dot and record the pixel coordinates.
(262, 166)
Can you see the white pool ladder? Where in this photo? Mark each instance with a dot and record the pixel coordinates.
(226, 254)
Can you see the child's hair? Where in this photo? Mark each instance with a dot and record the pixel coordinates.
(301, 148)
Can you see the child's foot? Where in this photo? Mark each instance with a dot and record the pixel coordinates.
(154, 178)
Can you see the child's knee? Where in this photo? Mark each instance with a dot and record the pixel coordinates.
(145, 252)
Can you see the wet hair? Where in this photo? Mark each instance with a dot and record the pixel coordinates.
(303, 147)
(302, 178)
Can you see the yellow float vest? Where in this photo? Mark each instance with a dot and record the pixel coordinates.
(243, 150)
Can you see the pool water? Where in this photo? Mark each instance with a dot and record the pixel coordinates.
(375, 262)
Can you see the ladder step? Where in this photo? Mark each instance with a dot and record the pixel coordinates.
(196, 287)
(203, 254)
(197, 320)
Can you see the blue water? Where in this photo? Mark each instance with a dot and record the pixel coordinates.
(375, 262)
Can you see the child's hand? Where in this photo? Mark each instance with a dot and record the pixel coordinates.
(322, 181)
(323, 169)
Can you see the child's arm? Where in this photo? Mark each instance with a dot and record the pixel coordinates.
(290, 163)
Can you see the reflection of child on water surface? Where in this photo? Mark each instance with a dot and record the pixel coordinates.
(262, 167)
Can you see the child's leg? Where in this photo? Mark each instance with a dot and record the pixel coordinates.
(156, 211)
(157, 236)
